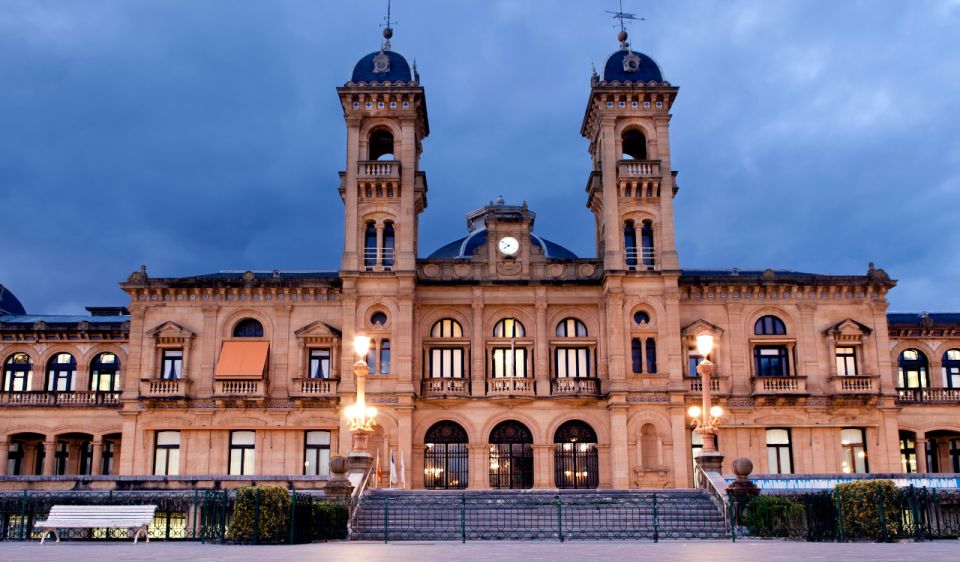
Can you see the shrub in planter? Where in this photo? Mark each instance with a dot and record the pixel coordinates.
(330, 521)
(867, 506)
(774, 516)
(272, 524)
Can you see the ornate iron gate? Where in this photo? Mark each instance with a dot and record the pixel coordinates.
(511, 456)
(446, 460)
(575, 456)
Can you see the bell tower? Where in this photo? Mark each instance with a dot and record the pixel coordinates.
(631, 187)
(382, 188)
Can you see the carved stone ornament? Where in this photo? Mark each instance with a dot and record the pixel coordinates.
(138, 276)
(631, 62)
(768, 275)
(381, 63)
(248, 276)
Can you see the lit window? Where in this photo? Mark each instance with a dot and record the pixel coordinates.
(446, 328)
(17, 373)
(853, 443)
(572, 362)
(779, 451)
(242, 452)
(509, 328)
(166, 453)
(510, 362)
(912, 369)
(846, 361)
(908, 452)
(951, 368)
(446, 363)
(61, 373)
(571, 328)
(105, 373)
(316, 453)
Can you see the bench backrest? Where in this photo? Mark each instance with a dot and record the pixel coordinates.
(117, 515)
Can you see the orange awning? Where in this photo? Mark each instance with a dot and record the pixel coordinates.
(242, 360)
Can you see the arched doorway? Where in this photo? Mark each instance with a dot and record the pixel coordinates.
(511, 456)
(446, 459)
(575, 456)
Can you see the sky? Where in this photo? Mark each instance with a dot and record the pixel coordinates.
(812, 135)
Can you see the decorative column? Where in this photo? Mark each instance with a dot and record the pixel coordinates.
(921, 452)
(49, 457)
(619, 463)
(4, 455)
(542, 466)
(96, 462)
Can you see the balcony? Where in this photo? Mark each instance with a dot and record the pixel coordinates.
(511, 386)
(442, 388)
(638, 169)
(575, 386)
(641, 259)
(929, 395)
(855, 385)
(314, 388)
(163, 388)
(44, 398)
(378, 170)
(718, 385)
(239, 389)
(779, 386)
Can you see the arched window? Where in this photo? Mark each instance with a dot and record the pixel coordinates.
(370, 245)
(951, 368)
(640, 317)
(446, 361)
(509, 328)
(636, 356)
(446, 328)
(61, 373)
(511, 456)
(248, 328)
(630, 244)
(388, 243)
(378, 318)
(646, 242)
(769, 326)
(381, 145)
(575, 456)
(912, 371)
(634, 145)
(105, 373)
(446, 459)
(651, 355)
(571, 328)
(17, 373)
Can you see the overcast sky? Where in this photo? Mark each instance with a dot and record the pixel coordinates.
(195, 136)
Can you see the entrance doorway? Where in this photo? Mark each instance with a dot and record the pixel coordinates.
(511, 456)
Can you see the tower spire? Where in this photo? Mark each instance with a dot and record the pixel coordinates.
(387, 29)
(622, 16)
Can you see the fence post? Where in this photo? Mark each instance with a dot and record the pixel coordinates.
(23, 515)
(195, 494)
(559, 518)
(733, 511)
(203, 522)
(915, 514)
(883, 515)
(293, 513)
(223, 515)
(656, 519)
(836, 495)
(386, 519)
(256, 516)
(463, 518)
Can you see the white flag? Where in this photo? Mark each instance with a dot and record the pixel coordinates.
(403, 471)
(393, 469)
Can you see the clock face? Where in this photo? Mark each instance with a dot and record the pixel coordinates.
(508, 246)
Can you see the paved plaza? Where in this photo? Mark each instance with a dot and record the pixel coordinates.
(744, 551)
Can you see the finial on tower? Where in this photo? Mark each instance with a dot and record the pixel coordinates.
(387, 29)
(622, 36)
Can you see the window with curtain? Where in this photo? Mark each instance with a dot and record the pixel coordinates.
(319, 363)
(846, 361)
(316, 453)
(171, 364)
(853, 443)
(17, 373)
(510, 362)
(912, 369)
(166, 453)
(242, 451)
(779, 451)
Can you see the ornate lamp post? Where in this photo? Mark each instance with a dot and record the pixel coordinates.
(706, 418)
(362, 418)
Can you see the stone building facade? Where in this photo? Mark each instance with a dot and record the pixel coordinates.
(500, 360)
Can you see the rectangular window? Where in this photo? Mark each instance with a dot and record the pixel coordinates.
(510, 362)
(385, 357)
(771, 361)
(242, 449)
(446, 363)
(779, 451)
(61, 456)
(15, 459)
(316, 454)
(166, 453)
(106, 461)
(319, 364)
(854, 444)
(636, 356)
(846, 362)
(372, 357)
(171, 365)
(86, 458)
(572, 362)
(693, 361)
(651, 355)
(908, 452)
(17, 380)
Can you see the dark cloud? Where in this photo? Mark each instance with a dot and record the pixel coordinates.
(197, 136)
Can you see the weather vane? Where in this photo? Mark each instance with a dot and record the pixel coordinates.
(387, 28)
(622, 16)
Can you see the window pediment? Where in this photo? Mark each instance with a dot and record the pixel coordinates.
(318, 332)
(848, 331)
(171, 333)
(701, 327)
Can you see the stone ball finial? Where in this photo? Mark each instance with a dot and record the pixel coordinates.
(742, 467)
(338, 465)
(622, 36)
(387, 32)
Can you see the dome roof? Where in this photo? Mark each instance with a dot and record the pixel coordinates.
(9, 304)
(626, 65)
(464, 247)
(382, 66)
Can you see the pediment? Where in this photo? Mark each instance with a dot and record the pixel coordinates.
(848, 327)
(170, 330)
(701, 327)
(318, 330)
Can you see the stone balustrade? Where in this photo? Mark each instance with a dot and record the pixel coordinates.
(42, 398)
(575, 386)
(855, 384)
(929, 395)
(511, 386)
(638, 168)
(164, 388)
(718, 385)
(239, 389)
(378, 169)
(310, 388)
(445, 387)
(774, 386)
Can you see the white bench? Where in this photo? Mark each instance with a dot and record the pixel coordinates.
(134, 517)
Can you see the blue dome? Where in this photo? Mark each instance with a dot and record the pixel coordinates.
(9, 304)
(637, 68)
(397, 69)
(464, 248)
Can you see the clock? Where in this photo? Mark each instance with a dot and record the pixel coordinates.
(508, 246)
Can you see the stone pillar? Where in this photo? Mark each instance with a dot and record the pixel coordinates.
(404, 444)
(542, 466)
(49, 457)
(4, 455)
(542, 361)
(619, 463)
(96, 462)
(921, 452)
(479, 457)
(478, 352)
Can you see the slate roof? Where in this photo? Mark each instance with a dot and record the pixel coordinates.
(9, 303)
(646, 71)
(464, 247)
(399, 69)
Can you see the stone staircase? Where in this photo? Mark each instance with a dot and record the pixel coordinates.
(536, 514)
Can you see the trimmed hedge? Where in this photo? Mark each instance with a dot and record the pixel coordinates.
(271, 524)
(869, 509)
(329, 521)
(774, 516)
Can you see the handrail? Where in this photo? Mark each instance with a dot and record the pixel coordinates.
(357, 496)
(715, 485)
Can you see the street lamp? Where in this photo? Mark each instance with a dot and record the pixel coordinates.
(362, 418)
(706, 418)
